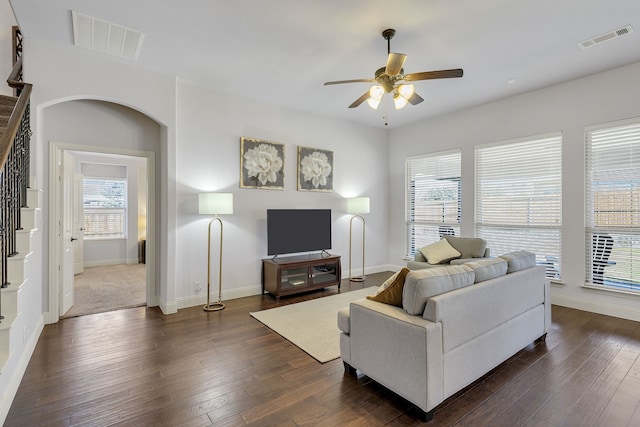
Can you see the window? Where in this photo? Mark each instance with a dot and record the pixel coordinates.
(104, 202)
(612, 206)
(432, 198)
(519, 198)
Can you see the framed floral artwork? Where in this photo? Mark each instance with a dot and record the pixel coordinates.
(261, 164)
(315, 169)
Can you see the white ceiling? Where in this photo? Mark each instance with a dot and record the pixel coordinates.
(282, 51)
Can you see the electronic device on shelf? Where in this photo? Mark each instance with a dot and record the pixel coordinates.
(298, 230)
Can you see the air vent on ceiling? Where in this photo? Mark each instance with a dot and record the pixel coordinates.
(106, 37)
(606, 36)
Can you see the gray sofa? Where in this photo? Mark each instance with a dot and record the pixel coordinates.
(470, 248)
(455, 324)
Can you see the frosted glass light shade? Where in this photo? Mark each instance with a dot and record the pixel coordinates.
(358, 205)
(215, 203)
(373, 103)
(406, 91)
(376, 92)
(399, 101)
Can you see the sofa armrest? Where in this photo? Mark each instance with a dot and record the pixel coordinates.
(343, 320)
(398, 350)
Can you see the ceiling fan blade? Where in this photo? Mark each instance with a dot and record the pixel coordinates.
(428, 75)
(415, 99)
(360, 100)
(395, 61)
(339, 82)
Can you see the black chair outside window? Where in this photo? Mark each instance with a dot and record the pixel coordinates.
(446, 230)
(601, 250)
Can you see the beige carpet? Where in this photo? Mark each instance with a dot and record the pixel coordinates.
(108, 288)
(312, 325)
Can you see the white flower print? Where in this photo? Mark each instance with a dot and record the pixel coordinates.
(263, 163)
(316, 168)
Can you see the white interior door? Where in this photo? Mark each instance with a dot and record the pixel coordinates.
(66, 265)
(78, 225)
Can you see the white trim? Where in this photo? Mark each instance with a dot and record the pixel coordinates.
(18, 373)
(613, 124)
(599, 308)
(105, 262)
(247, 291)
(55, 215)
(535, 137)
(590, 287)
(201, 299)
(434, 154)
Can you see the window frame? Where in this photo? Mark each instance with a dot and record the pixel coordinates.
(524, 186)
(432, 229)
(614, 262)
(122, 232)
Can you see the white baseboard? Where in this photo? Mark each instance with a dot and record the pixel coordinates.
(168, 308)
(606, 309)
(368, 270)
(21, 367)
(105, 262)
(247, 291)
(201, 299)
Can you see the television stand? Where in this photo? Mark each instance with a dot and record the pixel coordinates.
(296, 274)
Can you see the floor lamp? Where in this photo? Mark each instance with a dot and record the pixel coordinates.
(357, 206)
(214, 204)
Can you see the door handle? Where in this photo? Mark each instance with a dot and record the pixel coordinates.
(73, 238)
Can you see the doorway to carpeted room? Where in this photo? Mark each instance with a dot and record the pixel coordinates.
(108, 288)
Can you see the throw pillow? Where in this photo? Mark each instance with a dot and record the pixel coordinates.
(439, 252)
(390, 292)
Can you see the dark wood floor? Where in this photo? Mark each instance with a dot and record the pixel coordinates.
(139, 367)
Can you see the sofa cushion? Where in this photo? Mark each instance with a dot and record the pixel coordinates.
(519, 260)
(390, 292)
(469, 247)
(488, 268)
(420, 285)
(439, 252)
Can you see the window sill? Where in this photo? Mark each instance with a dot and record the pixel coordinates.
(611, 291)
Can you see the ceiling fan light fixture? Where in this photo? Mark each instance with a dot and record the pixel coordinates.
(389, 76)
(399, 101)
(373, 103)
(406, 91)
(376, 92)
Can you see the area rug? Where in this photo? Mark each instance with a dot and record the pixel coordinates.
(312, 325)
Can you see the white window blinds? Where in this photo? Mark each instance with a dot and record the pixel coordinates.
(519, 198)
(432, 198)
(104, 203)
(612, 206)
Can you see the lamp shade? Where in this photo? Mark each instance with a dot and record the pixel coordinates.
(358, 205)
(215, 203)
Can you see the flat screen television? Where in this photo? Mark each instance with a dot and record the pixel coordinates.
(298, 230)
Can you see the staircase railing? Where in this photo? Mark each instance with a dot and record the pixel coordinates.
(14, 162)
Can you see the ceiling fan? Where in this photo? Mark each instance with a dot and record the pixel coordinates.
(391, 78)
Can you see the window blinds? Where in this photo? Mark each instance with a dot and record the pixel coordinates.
(104, 203)
(432, 198)
(519, 198)
(612, 206)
